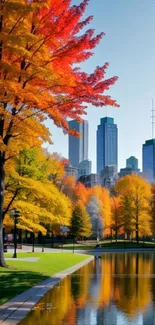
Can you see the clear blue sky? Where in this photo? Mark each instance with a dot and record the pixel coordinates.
(129, 47)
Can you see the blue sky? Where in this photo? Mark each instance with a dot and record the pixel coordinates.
(129, 47)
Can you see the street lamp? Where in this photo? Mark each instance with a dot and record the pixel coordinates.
(15, 213)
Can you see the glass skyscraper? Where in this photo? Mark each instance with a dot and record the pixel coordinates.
(107, 143)
(149, 160)
(78, 147)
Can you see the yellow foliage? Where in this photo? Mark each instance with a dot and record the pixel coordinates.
(135, 194)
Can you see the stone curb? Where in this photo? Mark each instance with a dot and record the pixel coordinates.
(15, 310)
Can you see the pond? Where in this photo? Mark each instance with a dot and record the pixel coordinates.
(118, 288)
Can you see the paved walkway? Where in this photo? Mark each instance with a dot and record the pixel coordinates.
(12, 312)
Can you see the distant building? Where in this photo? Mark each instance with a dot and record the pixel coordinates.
(128, 171)
(149, 160)
(108, 176)
(90, 180)
(132, 162)
(84, 168)
(107, 143)
(78, 147)
(71, 171)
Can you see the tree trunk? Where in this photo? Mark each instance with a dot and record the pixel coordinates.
(33, 242)
(137, 221)
(15, 237)
(42, 243)
(116, 234)
(52, 239)
(2, 176)
(137, 235)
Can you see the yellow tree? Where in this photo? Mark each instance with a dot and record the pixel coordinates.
(135, 191)
(29, 190)
(116, 215)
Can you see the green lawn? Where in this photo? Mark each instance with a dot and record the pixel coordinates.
(21, 275)
(113, 244)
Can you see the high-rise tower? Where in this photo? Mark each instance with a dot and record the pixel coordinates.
(148, 155)
(149, 160)
(107, 143)
(78, 147)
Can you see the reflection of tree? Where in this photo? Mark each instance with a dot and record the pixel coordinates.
(134, 292)
(125, 280)
(116, 282)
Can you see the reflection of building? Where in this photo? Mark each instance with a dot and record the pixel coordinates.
(84, 168)
(90, 180)
(78, 147)
(132, 162)
(109, 315)
(71, 171)
(149, 160)
(107, 143)
(149, 315)
(108, 176)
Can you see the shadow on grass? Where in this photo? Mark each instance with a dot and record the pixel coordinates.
(14, 282)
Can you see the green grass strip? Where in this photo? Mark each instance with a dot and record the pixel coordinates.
(22, 275)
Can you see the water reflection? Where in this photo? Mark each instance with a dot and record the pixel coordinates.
(118, 289)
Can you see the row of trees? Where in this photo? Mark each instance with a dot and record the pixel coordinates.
(46, 199)
(129, 209)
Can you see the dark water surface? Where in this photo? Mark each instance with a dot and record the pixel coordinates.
(117, 289)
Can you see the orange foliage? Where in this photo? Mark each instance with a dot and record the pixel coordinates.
(82, 193)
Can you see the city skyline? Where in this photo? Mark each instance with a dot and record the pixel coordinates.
(107, 151)
(88, 155)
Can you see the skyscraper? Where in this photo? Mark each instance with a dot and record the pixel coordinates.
(84, 168)
(132, 162)
(78, 147)
(107, 143)
(149, 160)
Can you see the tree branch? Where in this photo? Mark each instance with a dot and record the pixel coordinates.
(11, 201)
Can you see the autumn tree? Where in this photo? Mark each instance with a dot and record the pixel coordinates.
(68, 187)
(82, 193)
(94, 211)
(29, 190)
(41, 47)
(80, 222)
(102, 195)
(135, 194)
(116, 215)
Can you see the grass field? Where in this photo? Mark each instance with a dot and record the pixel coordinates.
(113, 244)
(21, 275)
